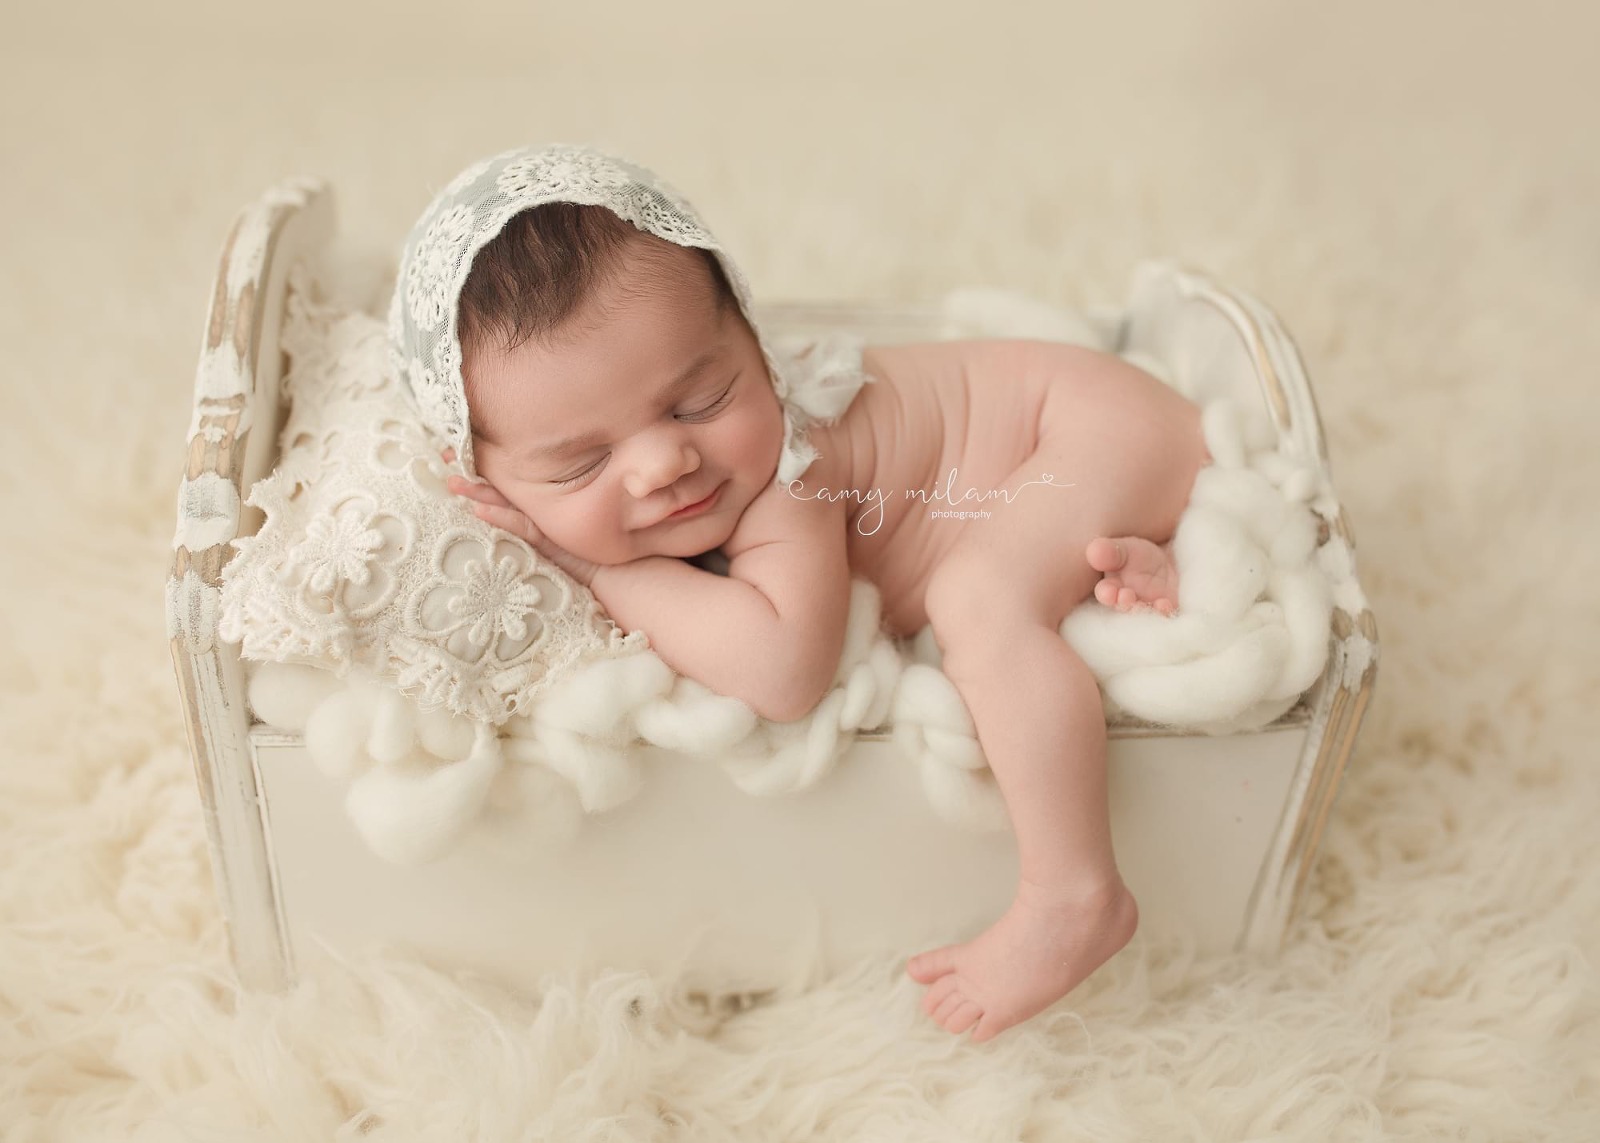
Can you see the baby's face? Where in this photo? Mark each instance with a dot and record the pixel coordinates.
(600, 437)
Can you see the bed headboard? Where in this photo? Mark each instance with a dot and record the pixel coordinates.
(232, 443)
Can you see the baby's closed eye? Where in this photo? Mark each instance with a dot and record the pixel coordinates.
(716, 406)
(695, 416)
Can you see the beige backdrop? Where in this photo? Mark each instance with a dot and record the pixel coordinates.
(1416, 192)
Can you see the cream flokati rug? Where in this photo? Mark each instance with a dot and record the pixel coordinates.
(1416, 200)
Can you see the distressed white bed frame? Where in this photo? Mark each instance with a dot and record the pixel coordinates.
(1215, 835)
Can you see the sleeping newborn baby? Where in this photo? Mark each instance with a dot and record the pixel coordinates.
(624, 422)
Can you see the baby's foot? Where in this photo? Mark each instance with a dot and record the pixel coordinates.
(1137, 573)
(1048, 941)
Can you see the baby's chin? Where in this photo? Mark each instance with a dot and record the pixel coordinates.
(697, 537)
(680, 543)
(686, 543)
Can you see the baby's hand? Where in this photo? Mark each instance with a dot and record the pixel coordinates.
(493, 508)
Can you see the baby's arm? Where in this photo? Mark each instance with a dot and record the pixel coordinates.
(770, 633)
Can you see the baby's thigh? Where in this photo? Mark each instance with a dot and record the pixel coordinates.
(1128, 474)
(1130, 445)
(1026, 561)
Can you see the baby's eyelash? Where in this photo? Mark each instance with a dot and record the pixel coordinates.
(711, 408)
(715, 406)
(581, 475)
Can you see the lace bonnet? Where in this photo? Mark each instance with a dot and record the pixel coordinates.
(424, 348)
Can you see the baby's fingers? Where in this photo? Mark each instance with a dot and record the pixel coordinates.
(483, 493)
(509, 519)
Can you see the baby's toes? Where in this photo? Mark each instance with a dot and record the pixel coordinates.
(988, 1029)
(963, 1017)
(938, 992)
(1106, 590)
(958, 1012)
(1127, 598)
(948, 1007)
(1104, 554)
(927, 967)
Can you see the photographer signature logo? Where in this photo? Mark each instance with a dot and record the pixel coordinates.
(947, 493)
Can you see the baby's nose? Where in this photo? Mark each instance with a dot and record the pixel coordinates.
(664, 466)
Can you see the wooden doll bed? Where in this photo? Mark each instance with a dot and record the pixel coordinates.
(1215, 835)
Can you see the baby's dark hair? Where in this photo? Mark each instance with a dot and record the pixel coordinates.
(537, 272)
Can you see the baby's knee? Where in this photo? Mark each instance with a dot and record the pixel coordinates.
(974, 588)
(1006, 652)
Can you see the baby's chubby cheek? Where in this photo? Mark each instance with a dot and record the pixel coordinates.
(495, 470)
(560, 521)
(584, 534)
(761, 440)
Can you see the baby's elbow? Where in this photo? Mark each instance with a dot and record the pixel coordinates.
(806, 653)
(792, 698)
(788, 704)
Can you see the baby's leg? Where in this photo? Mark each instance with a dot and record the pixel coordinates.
(995, 604)
(1040, 722)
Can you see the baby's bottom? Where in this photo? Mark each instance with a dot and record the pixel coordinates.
(996, 604)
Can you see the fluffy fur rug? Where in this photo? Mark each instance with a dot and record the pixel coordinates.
(1416, 199)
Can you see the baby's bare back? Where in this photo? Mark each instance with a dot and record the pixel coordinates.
(941, 433)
